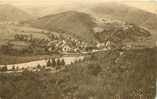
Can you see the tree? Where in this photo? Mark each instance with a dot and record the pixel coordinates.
(48, 64)
(43, 67)
(58, 62)
(53, 62)
(39, 66)
(13, 68)
(4, 68)
(62, 62)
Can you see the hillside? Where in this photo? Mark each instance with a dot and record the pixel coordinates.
(76, 23)
(82, 25)
(126, 13)
(12, 13)
(120, 33)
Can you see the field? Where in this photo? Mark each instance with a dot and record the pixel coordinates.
(8, 32)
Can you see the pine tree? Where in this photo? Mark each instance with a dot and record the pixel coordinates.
(53, 62)
(58, 61)
(43, 67)
(58, 64)
(13, 68)
(62, 62)
(39, 66)
(48, 64)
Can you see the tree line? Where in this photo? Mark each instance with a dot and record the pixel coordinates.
(54, 63)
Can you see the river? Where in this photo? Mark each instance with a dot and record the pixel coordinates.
(68, 60)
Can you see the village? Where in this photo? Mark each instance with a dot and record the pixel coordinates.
(72, 50)
(25, 43)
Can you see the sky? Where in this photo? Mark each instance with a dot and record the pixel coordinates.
(149, 5)
(39, 2)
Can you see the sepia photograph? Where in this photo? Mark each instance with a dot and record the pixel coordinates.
(78, 49)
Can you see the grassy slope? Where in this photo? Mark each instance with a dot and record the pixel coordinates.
(101, 78)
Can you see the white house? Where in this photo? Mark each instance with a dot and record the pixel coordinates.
(99, 45)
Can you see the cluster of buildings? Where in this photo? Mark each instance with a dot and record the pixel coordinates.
(69, 45)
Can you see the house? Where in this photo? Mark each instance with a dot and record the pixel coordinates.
(100, 45)
(66, 48)
(76, 50)
(108, 44)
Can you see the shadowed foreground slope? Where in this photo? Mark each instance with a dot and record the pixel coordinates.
(105, 75)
